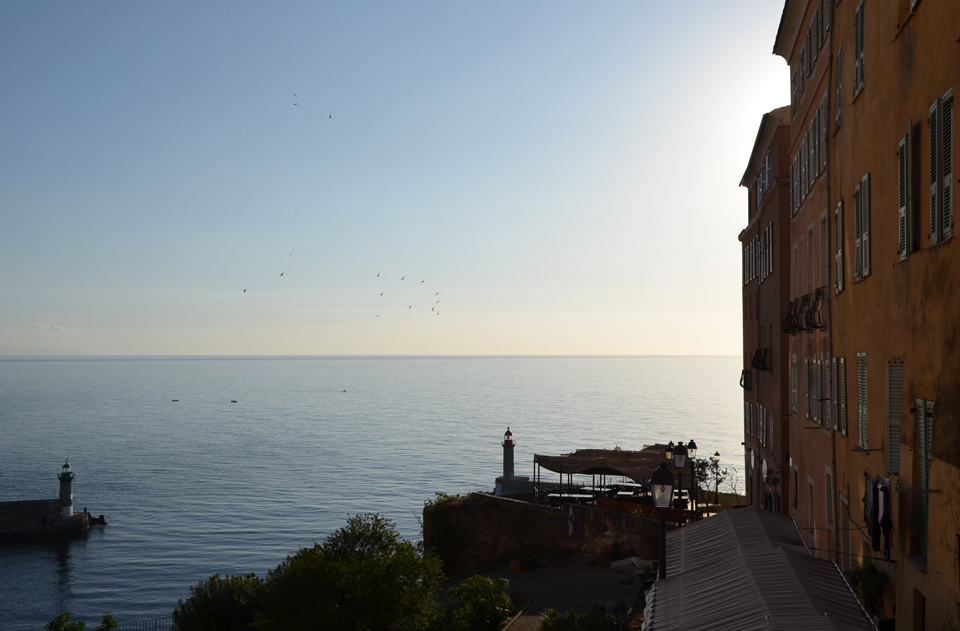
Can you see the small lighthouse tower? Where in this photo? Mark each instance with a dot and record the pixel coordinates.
(508, 455)
(66, 489)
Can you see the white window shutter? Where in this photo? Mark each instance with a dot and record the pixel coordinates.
(902, 195)
(865, 219)
(834, 402)
(894, 415)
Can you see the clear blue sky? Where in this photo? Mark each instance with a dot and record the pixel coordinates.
(563, 173)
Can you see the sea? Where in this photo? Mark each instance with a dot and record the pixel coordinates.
(260, 456)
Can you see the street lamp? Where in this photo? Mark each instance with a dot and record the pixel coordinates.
(662, 484)
(669, 452)
(692, 453)
(679, 460)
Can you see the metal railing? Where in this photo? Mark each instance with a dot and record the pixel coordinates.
(156, 624)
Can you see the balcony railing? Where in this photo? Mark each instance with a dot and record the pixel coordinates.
(804, 313)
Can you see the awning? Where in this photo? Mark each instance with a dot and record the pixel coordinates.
(749, 569)
(636, 465)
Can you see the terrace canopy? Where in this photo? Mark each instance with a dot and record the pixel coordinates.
(636, 465)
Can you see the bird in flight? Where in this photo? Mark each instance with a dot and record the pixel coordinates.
(422, 282)
(297, 98)
(331, 116)
(402, 277)
(437, 294)
(410, 307)
(381, 293)
(281, 273)
(244, 291)
(378, 274)
(433, 308)
(291, 254)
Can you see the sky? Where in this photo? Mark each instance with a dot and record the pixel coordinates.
(561, 176)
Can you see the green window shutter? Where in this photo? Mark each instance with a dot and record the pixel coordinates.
(894, 414)
(902, 188)
(824, 116)
(933, 121)
(838, 255)
(843, 396)
(946, 163)
(858, 233)
(865, 221)
(837, 106)
(793, 383)
(862, 425)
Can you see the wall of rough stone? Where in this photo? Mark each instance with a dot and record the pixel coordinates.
(38, 516)
(466, 531)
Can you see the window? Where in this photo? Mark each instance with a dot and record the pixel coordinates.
(747, 421)
(941, 168)
(765, 178)
(827, 409)
(793, 92)
(834, 400)
(822, 123)
(924, 433)
(816, 391)
(905, 188)
(828, 495)
(843, 396)
(837, 104)
(806, 386)
(793, 384)
(894, 414)
(858, 50)
(838, 250)
(811, 503)
(862, 426)
(861, 211)
(796, 489)
(804, 167)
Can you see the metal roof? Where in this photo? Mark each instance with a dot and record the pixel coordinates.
(750, 569)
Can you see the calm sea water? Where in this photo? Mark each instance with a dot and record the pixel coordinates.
(208, 486)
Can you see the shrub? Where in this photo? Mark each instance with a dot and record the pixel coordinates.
(594, 619)
(484, 605)
(220, 604)
(62, 623)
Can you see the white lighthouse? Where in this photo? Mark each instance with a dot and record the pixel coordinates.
(66, 489)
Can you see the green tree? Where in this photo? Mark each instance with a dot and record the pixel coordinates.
(363, 577)
(220, 604)
(484, 605)
(596, 618)
(62, 623)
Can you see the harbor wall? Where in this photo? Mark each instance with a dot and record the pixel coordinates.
(39, 516)
(468, 530)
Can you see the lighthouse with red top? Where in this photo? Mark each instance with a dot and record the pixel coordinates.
(508, 483)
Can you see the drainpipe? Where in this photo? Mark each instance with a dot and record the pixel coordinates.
(836, 421)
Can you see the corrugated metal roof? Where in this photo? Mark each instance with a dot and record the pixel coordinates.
(749, 569)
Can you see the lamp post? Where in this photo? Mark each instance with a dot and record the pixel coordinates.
(679, 461)
(662, 484)
(692, 453)
(715, 462)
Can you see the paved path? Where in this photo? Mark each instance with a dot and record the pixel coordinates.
(562, 586)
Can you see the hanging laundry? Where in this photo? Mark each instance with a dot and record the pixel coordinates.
(886, 517)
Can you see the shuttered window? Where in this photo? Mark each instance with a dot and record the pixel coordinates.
(747, 422)
(838, 248)
(804, 167)
(806, 386)
(793, 384)
(861, 210)
(826, 400)
(837, 105)
(843, 396)
(894, 414)
(834, 400)
(814, 148)
(816, 391)
(858, 45)
(862, 425)
(905, 213)
(823, 118)
(941, 167)
(924, 441)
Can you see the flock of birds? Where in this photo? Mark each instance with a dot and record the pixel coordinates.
(434, 308)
